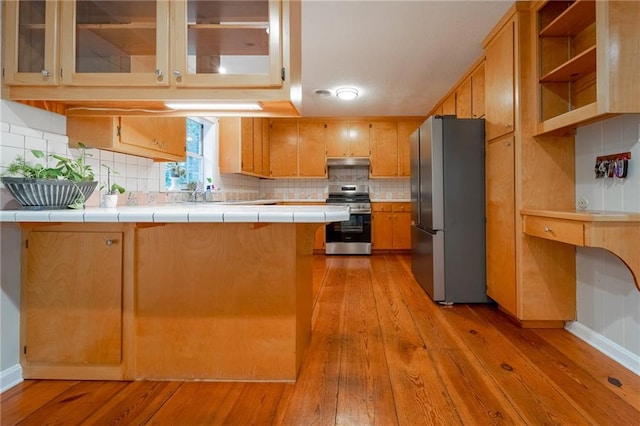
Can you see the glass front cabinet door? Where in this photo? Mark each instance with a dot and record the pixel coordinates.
(226, 43)
(144, 43)
(29, 42)
(114, 43)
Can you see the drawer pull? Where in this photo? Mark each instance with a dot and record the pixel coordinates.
(547, 229)
(111, 242)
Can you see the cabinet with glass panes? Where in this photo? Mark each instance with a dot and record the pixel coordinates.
(217, 43)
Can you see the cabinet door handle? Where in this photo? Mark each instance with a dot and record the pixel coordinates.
(507, 144)
(547, 229)
(507, 125)
(111, 242)
(159, 74)
(177, 74)
(45, 73)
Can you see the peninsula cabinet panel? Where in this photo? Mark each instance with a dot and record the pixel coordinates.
(163, 139)
(72, 299)
(499, 82)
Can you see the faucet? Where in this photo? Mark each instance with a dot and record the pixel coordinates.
(198, 191)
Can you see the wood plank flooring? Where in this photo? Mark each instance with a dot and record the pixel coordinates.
(382, 353)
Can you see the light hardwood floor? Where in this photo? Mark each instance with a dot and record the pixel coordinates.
(381, 353)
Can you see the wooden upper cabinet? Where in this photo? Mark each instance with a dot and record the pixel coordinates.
(478, 92)
(106, 43)
(405, 128)
(242, 145)
(284, 148)
(449, 105)
(359, 139)
(347, 138)
(384, 149)
(588, 61)
(158, 138)
(30, 42)
(311, 149)
(499, 82)
(464, 98)
(236, 44)
(470, 95)
(132, 43)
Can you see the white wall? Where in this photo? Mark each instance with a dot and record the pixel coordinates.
(608, 301)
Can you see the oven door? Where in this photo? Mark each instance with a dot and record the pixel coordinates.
(351, 236)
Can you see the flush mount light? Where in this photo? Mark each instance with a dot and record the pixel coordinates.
(215, 106)
(347, 93)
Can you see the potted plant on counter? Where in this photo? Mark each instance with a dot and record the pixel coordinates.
(176, 171)
(110, 196)
(68, 184)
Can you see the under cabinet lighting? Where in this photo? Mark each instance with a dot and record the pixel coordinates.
(215, 106)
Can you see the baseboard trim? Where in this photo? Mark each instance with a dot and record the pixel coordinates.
(614, 351)
(10, 377)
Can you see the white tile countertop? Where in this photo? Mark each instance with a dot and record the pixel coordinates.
(185, 212)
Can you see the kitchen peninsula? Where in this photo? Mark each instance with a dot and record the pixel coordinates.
(201, 291)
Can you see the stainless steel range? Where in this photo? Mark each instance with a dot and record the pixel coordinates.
(352, 236)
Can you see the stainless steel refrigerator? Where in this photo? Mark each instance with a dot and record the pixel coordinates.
(448, 209)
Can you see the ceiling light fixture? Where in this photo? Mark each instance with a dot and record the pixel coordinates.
(347, 93)
(215, 106)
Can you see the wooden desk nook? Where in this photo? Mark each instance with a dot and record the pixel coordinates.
(617, 232)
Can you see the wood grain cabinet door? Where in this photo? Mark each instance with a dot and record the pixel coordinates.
(500, 212)
(72, 298)
(337, 138)
(384, 149)
(284, 148)
(165, 135)
(499, 83)
(311, 149)
(359, 139)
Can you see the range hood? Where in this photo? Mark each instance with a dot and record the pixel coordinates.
(348, 162)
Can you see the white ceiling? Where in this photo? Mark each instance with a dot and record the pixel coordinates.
(402, 56)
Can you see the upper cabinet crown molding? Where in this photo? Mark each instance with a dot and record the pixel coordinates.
(93, 53)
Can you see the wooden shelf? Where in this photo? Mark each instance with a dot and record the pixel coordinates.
(215, 39)
(136, 38)
(576, 18)
(617, 232)
(574, 68)
(569, 119)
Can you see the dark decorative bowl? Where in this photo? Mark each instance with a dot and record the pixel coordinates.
(45, 194)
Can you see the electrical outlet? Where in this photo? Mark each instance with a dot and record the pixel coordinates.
(583, 202)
